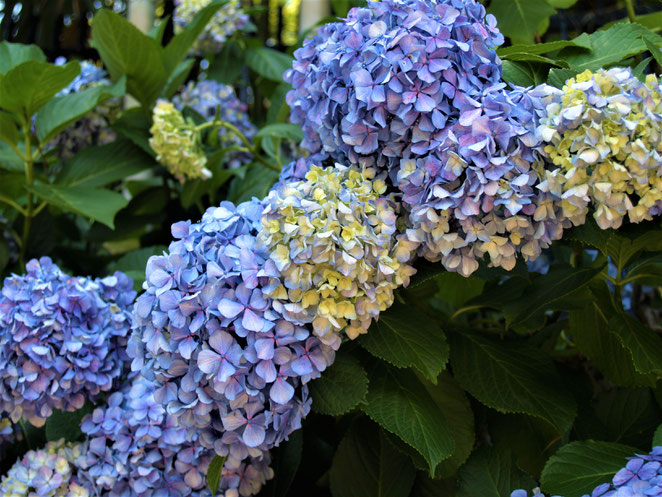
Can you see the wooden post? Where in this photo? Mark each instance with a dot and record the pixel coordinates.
(312, 11)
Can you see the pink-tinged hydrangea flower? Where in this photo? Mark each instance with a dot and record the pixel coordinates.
(48, 472)
(603, 135)
(207, 97)
(480, 191)
(94, 127)
(334, 241)
(62, 339)
(641, 477)
(224, 360)
(381, 84)
(226, 21)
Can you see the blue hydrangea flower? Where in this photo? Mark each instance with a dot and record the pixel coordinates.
(334, 240)
(603, 137)
(224, 361)
(48, 472)
(226, 21)
(368, 88)
(207, 97)
(62, 339)
(94, 127)
(479, 191)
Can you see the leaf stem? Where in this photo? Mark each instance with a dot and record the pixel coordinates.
(29, 180)
(13, 204)
(465, 309)
(25, 433)
(629, 6)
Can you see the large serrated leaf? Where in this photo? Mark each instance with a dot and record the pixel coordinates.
(519, 19)
(577, 468)
(511, 377)
(341, 387)
(400, 403)
(492, 472)
(268, 63)
(582, 41)
(408, 339)
(367, 465)
(642, 342)
(14, 54)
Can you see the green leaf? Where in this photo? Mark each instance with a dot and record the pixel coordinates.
(133, 263)
(654, 50)
(257, 183)
(630, 415)
(178, 77)
(562, 4)
(181, 44)
(657, 437)
(557, 77)
(268, 63)
(60, 112)
(214, 473)
(622, 249)
(66, 424)
(134, 125)
(550, 292)
(288, 131)
(367, 465)
(643, 344)
(97, 204)
(582, 41)
(125, 50)
(341, 387)
(400, 403)
(8, 129)
(158, 30)
(406, 339)
(286, 459)
(279, 111)
(14, 54)
(577, 468)
(610, 46)
(524, 73)
(226, 66)
(27, 87)
(98, 166)
(519, 19)
(511, 377)
(492, 472)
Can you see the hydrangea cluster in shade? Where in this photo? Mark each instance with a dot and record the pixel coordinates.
(481, 190)
(641, 477)
(224, 361)
(62, 339)
(48, 472)
(603, 135)
(94, 127)
(207, 97)
(380, 85)
(334, 240)
(177, 143)
(226, 21)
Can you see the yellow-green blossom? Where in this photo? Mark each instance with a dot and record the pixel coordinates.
(602, 133)
(333, 237)
(177, 143)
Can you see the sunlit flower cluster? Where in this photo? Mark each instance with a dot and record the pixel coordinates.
(212, 101)
(382, 84)
(93, 128)
(223, 358)
(641, 476)
(177, 143)
(62, 339)
(226, 21)
(333, 238)
(480, 191)
(48, 472)
(603, 135)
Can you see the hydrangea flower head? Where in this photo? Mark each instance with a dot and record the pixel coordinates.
(379, 85)
(223, 359)
(94, 127)
(62, 339)
(479, 192)
(207, 97)
(333, 238)
(603, 135)
(226, 21)
(48, 472)
(177, 143)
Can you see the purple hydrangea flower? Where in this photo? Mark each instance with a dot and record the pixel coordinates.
(380, 85)
(62, 339)
(208, 96)
(223, 360)
(479, 192)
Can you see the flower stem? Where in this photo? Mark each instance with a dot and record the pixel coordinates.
(25, 433)
(629, 6)
(29, 210)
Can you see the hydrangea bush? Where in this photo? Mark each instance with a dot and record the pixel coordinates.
(451, 287)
